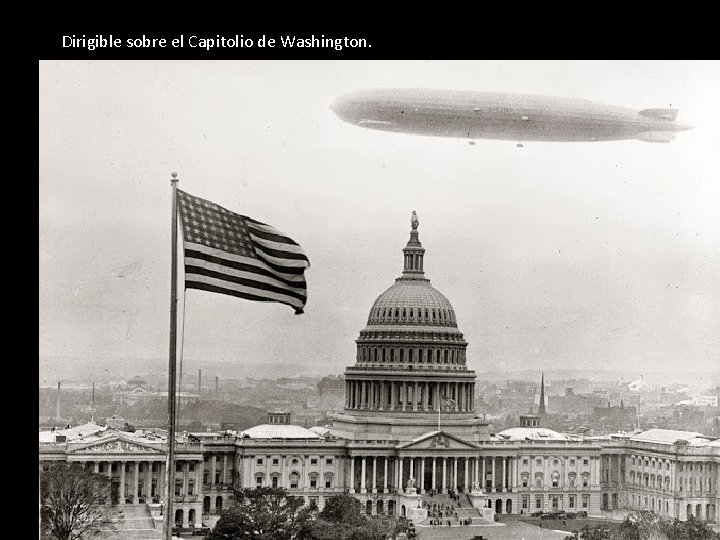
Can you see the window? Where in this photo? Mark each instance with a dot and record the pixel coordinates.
(538, 462)
(178, 487)
(191, 467)
(556, 462)
(206, 478)
(572, 501)
(555, 480)
(526, 461)
(191, 487)
(294, 480)
(275, 481)
(313, 481)
(538, 482)
(525, 481)
(525, 502)
(178, 466)
(275, 461)
(328, 481)
(585, 501)
(586, 461)
(329, 461)
(313, 461)
(313, 501)
(538, 501)
(259, 480)
(295, 461)
(572, 461)
(585, 481)
(259, 461)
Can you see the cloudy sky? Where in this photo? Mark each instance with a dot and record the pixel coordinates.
(589, 255)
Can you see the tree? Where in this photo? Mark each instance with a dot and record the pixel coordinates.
(692, 529)
(262, 514)
(73, 502)
(342, 509)
(342, 519)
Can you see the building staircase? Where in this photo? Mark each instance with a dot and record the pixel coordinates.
(462, 506)
(134, 522)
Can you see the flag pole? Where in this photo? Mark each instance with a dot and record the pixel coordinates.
(170, 463)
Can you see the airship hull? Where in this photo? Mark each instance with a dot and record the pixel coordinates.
(489, 115)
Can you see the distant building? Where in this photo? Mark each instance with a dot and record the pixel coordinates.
(137, 390)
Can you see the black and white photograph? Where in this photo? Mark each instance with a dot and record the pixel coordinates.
(379, 299)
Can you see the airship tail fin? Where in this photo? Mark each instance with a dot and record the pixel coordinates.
(664, 114)
(656, 136)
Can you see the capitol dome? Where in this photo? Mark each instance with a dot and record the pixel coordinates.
(411, 356)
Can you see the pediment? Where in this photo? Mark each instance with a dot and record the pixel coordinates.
(438, 440)
(117, 445)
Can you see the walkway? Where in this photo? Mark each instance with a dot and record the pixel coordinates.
(514, 530)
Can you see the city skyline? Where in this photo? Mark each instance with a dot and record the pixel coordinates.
(552, 255)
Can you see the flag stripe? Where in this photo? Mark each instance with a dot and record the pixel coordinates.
(191, 270)
(288, 248)
(283, 257)
(275, 236)
(245, 274)
(247, 296)
(193, 280)
(241, 263)
(256, 225)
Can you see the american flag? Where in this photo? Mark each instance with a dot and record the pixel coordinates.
(232, 254)
(447, 402)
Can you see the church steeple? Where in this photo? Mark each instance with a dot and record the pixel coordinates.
(413, 252)
(541, 408)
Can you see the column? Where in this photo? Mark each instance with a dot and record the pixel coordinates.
(393, 395)
(403, 395)
(437, 397)
(444, 475)
(483, 483)
(455, 472)
(224, 469)
(457, 397)
(414, 398)
(477, 473)
(186, 475)
(412, 467)
(492, 473)
(504, 475)
(400, 478)
(465, 485)
(363, 395)
(352, 474)
(109, 469)
(347, 393)
(433, 474)
(362, 476)
(385, 474)
(198, 478)
(148, 481)
(213, 464)
(382, 398)
(374, 475)
(96, 467)
(122, 483)
(136, 475)
(422, 475)
(161, 483)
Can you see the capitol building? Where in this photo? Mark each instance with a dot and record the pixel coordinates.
(409, 434)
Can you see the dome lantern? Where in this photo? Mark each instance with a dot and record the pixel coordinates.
(413, 252)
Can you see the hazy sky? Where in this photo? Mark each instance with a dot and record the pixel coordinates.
(553, 255)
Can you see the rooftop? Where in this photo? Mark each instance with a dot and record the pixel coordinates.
(279, 431)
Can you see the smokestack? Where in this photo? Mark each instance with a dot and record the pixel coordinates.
(57, 404)
(217, 380)
(199, 380)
